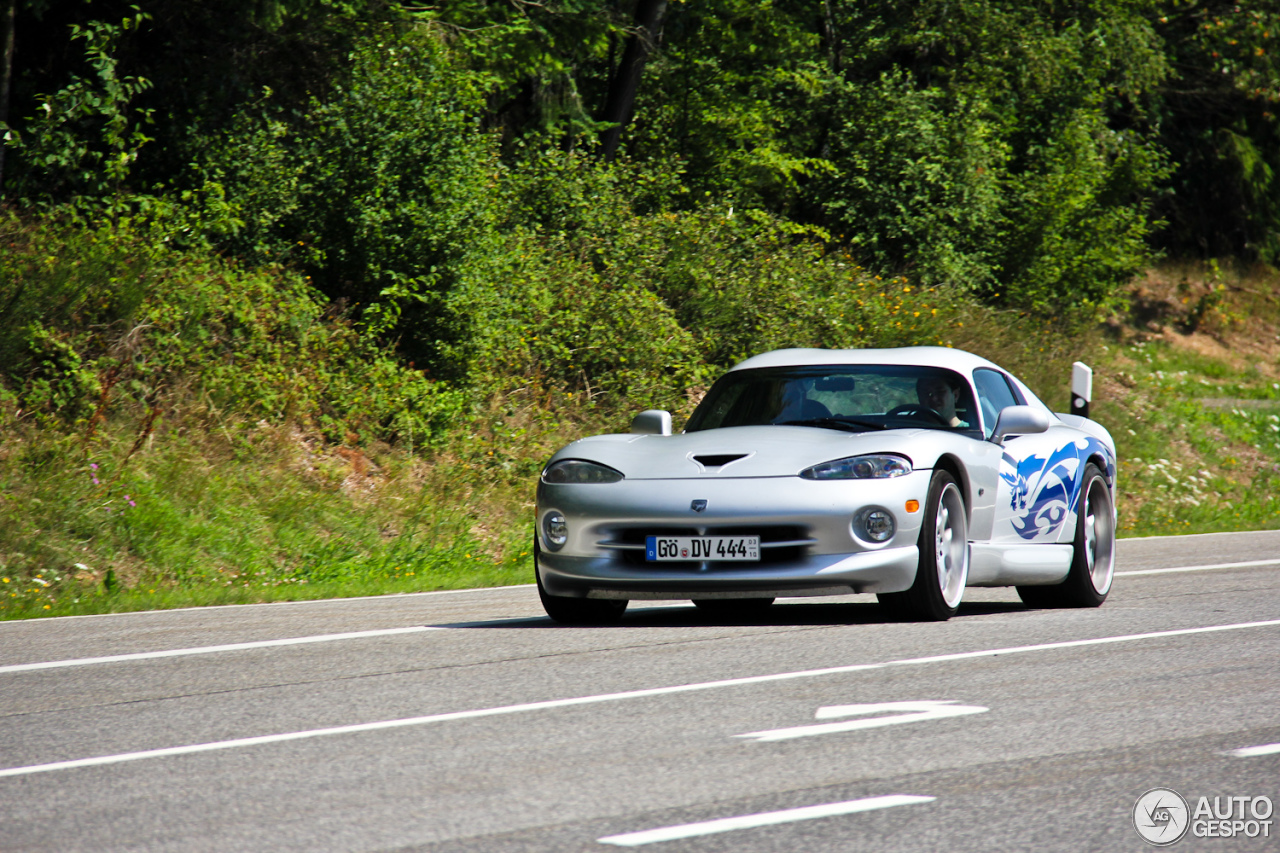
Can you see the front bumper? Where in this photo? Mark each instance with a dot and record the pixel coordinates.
(808, 546)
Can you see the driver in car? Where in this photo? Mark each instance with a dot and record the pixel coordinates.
(936, 393)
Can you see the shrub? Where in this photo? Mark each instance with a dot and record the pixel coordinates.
(593, 296)
(132, 323)
(380, 190)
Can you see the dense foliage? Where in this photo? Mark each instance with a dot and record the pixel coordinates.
(1032, 154)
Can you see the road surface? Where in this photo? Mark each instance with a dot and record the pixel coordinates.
(467, 721)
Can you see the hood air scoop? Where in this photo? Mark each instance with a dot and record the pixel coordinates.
(716, 460)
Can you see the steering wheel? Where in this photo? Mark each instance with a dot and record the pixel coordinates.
(911, 411)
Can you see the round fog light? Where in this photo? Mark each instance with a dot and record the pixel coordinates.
(876, 525)
(554, 530)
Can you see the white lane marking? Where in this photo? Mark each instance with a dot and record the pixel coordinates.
(898, 712)
(229, 647)
(727, 824)
(1202, 568)
(262, 644)
(215, 607)
(614, 697)
(1255, 751)
(1181, 536)
(26, 667)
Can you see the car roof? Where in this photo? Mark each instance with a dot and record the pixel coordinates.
(945, 357)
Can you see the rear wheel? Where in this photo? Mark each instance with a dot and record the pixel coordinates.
(1093, 561)
(576, 611)
(944, 557)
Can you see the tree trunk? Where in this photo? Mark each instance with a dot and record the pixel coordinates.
(6, 77)
(626, 80)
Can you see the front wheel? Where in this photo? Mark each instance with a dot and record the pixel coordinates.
(943, 570)
(576, 611)
(1093, 561)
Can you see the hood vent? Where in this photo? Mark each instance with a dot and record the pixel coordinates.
(718, 459)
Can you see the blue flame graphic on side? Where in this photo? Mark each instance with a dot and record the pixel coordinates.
(1045, 490)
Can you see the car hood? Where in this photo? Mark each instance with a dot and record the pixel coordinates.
(753, 451)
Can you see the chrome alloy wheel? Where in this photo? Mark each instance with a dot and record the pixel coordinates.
(1099, 535)
(951, 545)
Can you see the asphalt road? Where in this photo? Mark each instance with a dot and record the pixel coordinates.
(469, 722)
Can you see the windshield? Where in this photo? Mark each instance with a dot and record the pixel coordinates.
(839, 396)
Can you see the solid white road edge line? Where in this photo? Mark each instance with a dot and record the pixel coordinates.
(201, 650)
(726, 824)
(1201, 568)
(1200, 535)
(1254, 751)
(229, 647)
(391, 596)
(261, 644)
(615, 697)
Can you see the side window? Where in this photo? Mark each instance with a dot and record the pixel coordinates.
(994, 394)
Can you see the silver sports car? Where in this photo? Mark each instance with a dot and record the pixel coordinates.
(910, 473)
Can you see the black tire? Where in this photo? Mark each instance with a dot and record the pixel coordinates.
(576, 611)
(943, 569)
(733, 606)
(1093, 562)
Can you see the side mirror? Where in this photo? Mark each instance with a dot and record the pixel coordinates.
(1081, 388)
(652, 422)
(1019, 420)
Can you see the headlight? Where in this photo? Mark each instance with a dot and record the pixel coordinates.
(579, 471)
(878, 467)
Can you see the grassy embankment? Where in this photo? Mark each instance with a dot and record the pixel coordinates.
(262, 452)
(1190, 388)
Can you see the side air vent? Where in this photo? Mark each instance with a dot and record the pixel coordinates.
(716, 460)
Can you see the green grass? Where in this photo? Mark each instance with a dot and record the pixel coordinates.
(90, 600)
(192, 523)
(1198, 434)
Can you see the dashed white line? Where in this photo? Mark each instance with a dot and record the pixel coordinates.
(1244, 565)
(728, 824)
(228, 647)
(1255, 751)
(614, 697)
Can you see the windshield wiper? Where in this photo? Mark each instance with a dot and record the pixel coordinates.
(846, 424)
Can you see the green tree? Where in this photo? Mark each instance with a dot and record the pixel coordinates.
(549, 63)
(380, 190)
(738, 96)
(1221, 123)
(84, 138)
(1003, 148)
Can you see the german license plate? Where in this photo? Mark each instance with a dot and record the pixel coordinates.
(660, 549)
